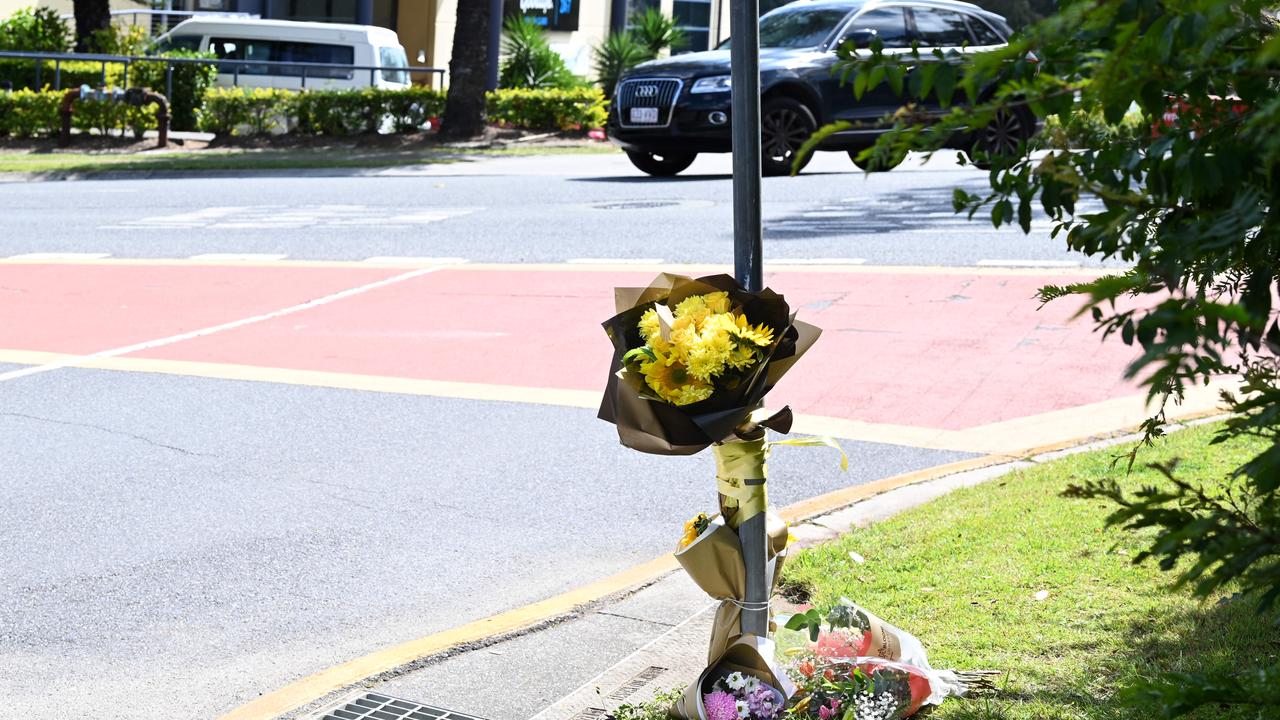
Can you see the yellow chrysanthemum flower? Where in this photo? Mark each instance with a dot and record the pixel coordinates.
(650, 326)
(761, 334)
(717, 302)
(674, 383)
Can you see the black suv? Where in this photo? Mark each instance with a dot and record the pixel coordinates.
(665, 112)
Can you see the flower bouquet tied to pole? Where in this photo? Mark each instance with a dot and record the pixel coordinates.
(694, 358)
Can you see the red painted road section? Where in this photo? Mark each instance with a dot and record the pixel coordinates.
(946, 351)
(83, 309)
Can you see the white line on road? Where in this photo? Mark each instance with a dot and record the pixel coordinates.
(614, 261)
(149, 344)
(819, 261)
(240, 256)
(60, 256)
(413, 260)
(1030, 263)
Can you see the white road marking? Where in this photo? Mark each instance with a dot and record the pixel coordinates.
(614, 261)
(240, 256)
(1030, 263)
(60, 256)
(414, 260)
(819, 261)
(280, 217)
(160, 342)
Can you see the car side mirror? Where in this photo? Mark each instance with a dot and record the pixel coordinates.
(861, 39)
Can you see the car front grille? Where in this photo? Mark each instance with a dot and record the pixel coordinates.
(656, 93)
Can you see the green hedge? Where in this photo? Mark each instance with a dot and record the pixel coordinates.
(320, 112)
(575, 109)
(22, 74)
(27, 113)
(226, 111)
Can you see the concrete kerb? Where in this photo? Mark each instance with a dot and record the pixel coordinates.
(668, 648)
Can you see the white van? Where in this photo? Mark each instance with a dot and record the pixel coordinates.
(285, 41)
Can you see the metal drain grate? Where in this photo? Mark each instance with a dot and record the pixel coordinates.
(382, 707)
(635, 204)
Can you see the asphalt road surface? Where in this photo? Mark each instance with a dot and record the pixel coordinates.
(221, 476)
(546, 209)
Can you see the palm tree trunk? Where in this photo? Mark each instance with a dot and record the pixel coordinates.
(464, 105)
(91, 16)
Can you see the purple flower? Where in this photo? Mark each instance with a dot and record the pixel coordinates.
(720, 705)
(763, 702)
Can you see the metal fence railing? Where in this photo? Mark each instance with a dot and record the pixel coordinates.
(236, 69)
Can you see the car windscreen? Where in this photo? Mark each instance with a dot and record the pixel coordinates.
(799, 27)
(393, 58)
(796, 27)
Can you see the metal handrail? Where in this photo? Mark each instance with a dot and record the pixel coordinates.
(170, 62)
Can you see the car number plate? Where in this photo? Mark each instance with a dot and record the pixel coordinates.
(644, 115)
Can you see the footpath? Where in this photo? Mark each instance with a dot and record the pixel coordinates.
(628, 647)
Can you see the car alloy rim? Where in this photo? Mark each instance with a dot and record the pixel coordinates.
(784, 132)
(1003, 134)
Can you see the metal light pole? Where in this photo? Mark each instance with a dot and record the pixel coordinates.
(744, 52)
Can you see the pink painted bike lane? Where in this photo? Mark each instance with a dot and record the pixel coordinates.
(945, 350)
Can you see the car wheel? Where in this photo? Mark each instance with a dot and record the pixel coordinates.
(1001, 137)
(785, 125)
(874, 164)
(661, 165)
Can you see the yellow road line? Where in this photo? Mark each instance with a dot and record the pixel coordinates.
(314, 687)
(1009, 437)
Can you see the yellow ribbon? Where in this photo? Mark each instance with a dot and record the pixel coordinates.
(741, 471)
(740, 476)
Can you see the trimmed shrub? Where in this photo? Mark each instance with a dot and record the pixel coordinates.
(27, 113)
(577, 109)
(320, 112)
(107, 118)
(190, 82)
(338, 113)
(260, 110)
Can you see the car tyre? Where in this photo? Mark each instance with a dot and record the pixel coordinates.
(1001, 137)
(874, 165)
(661, 165)
(785, 125)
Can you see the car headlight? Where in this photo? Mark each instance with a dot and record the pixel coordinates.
(715, 83)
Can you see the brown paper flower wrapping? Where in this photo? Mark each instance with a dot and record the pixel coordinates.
(650, 425)
(749, 655)
(714, 562)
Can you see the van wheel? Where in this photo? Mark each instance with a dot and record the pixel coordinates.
(661, 165)
(785, 124)
(874, 164)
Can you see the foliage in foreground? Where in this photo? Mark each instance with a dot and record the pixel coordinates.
(1191, 205)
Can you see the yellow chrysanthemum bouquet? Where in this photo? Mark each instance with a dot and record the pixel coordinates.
(693, 359)
(701, 344)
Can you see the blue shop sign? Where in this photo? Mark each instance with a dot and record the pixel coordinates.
(551, 14)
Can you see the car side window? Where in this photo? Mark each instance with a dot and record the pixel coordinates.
(983, 33)
(940, 28)
(887, 24)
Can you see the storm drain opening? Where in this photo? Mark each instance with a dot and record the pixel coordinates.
(373, 706)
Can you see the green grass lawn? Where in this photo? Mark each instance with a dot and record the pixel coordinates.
(84, 162)
(962, 573)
